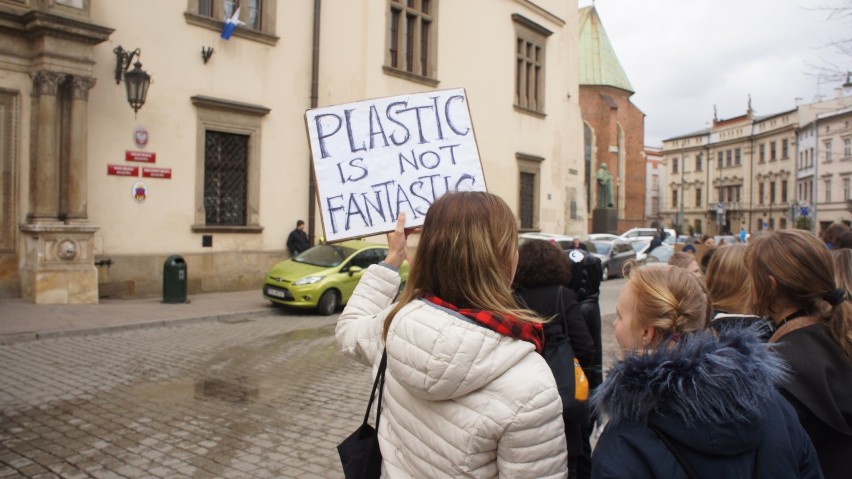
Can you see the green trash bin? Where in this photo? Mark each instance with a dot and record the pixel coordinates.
(174, 280)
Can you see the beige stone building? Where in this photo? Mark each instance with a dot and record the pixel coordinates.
(215, 165)
(752, 172)
(824, 161)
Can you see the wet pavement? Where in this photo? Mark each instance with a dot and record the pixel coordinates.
(258, 398)
(239, 391)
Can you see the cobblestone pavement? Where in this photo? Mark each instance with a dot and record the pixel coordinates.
(243, 398)
(262, 398)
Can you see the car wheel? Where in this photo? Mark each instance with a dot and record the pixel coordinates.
(605, 275)
(328, 303)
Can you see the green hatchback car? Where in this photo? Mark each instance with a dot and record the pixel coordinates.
(324, 277)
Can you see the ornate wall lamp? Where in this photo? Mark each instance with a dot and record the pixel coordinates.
(136, 81)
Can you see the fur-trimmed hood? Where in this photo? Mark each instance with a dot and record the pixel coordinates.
(691, 389)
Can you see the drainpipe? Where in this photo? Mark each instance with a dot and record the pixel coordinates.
(312, 181)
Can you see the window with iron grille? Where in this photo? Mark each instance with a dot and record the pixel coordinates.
(530, 39)
(411, 38)
(527, 200)
(225, 178)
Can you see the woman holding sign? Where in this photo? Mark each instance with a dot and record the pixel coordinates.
(467, 393)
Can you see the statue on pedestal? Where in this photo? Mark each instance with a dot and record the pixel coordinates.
(605, 196)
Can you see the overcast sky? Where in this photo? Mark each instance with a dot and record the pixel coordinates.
(684, 56)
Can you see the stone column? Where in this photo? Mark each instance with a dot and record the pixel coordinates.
(76, 201)
(44, 171)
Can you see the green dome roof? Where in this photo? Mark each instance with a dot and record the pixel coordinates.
(598, 63)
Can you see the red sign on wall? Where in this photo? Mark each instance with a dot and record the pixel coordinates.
(122, 170)
(141, 156)
(157, 173)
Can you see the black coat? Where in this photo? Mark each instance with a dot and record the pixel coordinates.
(820, 390)
(542, 300)
(716, 398)
(297, 241)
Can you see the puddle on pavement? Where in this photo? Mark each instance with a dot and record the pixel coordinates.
(237, 390)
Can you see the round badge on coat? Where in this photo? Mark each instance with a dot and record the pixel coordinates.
(576, 256)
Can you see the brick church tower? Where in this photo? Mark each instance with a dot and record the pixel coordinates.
(614, 128)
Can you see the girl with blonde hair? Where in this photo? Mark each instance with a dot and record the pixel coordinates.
(683, 399)
(729, 285)
(793, 279)
(467, 392)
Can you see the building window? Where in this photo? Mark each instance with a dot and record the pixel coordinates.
(847, 189)
(738, 190)
(783, 223)
(258, 17)
(225, 178)
(675, 165)
(783, 191)
(827, 145)
(728, 159)
(761, 157)
(529, 169)
(847, 147)
(674, 198)
(828, 191)
(760, 192)
(772, 151)
(530, 40)
(784, 148)
(228, 165)
(771, 192)
(737, 157)
(698, 198)
(411, 40)
(721, 159)
(699, 163)
(697, 228)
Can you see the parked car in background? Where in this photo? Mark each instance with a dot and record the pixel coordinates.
(564, 241)
(323, 277)
(613, 255)
(646, 234)
(660, 254)
(602, 236)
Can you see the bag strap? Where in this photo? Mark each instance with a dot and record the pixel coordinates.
(690, 472)
(379, 384)
(560, 310)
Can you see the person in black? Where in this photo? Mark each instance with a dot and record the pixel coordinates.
(542, 284)
(298, 239)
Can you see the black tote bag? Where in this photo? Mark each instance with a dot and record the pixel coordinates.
(359, 453)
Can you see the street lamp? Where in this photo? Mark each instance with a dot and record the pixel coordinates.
(136, 81)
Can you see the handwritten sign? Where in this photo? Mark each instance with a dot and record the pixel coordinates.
(376, 158)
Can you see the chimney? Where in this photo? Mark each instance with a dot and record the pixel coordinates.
(798, 100)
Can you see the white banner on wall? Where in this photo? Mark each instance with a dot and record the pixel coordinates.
(376, 158)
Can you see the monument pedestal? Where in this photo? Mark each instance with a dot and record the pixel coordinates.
(59, 264)
(605, 220)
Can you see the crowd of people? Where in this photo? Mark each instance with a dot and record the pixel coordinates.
(741, 368)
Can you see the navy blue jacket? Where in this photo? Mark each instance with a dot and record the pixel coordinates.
(716, 399)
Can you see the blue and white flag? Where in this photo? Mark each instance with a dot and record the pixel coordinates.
(231, 24)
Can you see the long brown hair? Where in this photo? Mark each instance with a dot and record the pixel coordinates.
(728, 280)
(804, 274)
(465, 256)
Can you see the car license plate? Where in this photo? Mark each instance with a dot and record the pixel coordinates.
(276, 293)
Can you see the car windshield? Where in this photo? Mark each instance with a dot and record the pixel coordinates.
(662, 253)
(600, 247)
(324, 255)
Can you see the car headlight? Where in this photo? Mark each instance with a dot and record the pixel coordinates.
(307, 280)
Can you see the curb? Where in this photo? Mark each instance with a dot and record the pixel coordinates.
(84, 331)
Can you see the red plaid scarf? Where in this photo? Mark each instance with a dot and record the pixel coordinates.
(505, 325)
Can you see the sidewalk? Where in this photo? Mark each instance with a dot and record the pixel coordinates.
(21, 320)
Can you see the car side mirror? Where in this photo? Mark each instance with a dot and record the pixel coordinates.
(355, 269)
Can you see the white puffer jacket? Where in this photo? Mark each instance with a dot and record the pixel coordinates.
(460, 400)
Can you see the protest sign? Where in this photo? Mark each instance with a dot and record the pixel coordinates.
(376, 158)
